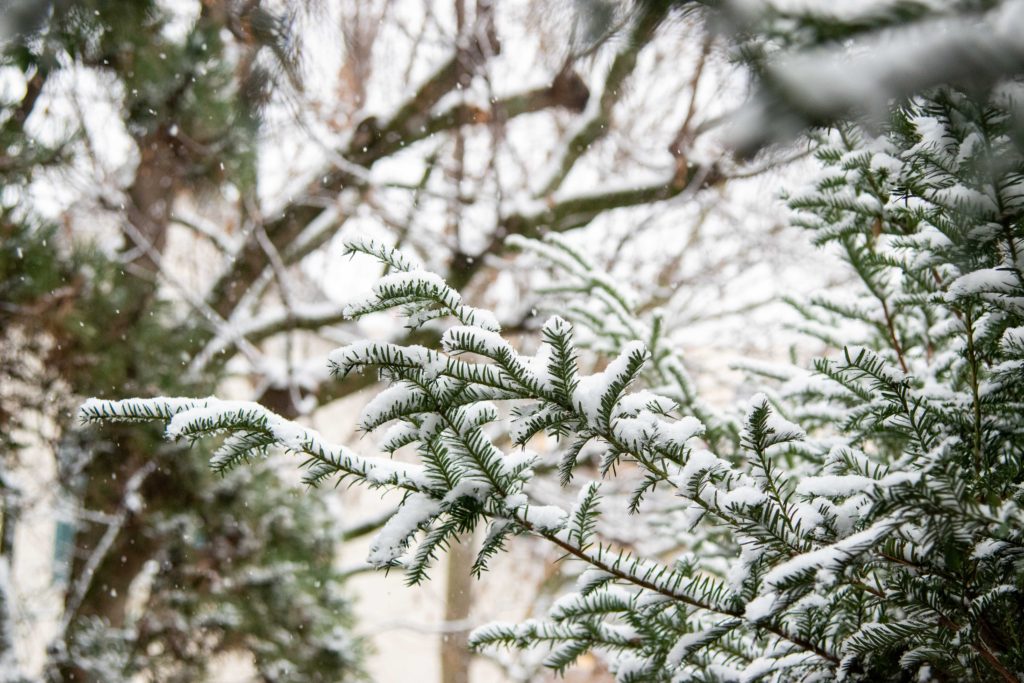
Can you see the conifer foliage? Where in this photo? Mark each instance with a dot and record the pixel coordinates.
(860, 521)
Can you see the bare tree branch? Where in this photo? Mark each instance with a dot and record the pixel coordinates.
(370, 143)
(598, 121)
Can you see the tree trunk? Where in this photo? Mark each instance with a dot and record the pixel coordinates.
(8, 521)
(455, 655)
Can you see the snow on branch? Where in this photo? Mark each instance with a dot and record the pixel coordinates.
(198, 418)
(800, 535)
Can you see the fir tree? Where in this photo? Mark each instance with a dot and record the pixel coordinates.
(236, 563)
(859, 521)
(880, 545)
(189, 81)
(78, 320)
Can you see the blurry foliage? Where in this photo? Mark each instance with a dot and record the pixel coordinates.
(241, 561)
(220, 566)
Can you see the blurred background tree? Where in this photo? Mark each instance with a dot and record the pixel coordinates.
(226, 568)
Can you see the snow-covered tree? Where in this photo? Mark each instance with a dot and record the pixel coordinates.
(170, 565)
(882, 543)
(860, 521)
(158, 566)
(176, 173)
